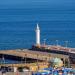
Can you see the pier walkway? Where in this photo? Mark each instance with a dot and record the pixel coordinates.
(25, 53)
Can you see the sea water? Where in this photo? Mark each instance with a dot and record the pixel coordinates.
(17, 27)
(55, 18)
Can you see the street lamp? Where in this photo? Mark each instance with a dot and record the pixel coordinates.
(44, 42)
(56, 42)
(66, 43)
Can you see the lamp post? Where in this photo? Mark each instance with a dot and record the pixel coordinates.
(66, 43)
(44, 42)
(56, 42)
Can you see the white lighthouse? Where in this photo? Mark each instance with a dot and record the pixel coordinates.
(37, 35)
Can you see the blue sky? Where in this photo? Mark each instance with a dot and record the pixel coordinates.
(36, 3)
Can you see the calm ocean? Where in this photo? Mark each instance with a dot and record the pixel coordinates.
(17, 27)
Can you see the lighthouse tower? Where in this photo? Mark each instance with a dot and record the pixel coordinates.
(37, 35)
